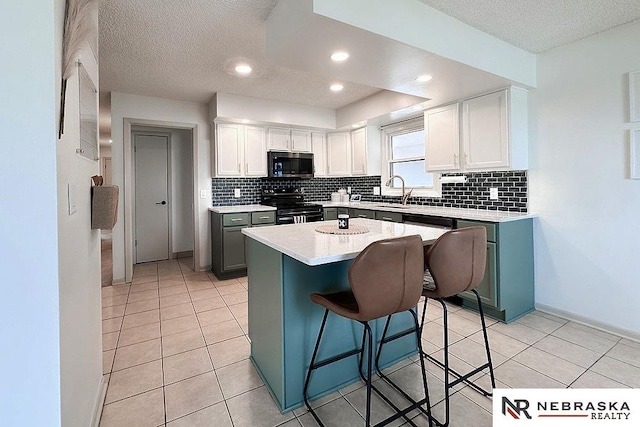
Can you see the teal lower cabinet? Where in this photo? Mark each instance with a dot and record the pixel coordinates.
(362, 213)
(388, 216)
(329, 214)
(507, 291)
(228, 242)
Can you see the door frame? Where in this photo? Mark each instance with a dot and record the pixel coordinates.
(169, 194)
(128, 191)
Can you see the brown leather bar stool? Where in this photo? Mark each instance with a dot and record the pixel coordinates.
(385, 278)
(456, 262)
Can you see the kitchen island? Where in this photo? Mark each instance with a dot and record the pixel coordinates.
(285, 264)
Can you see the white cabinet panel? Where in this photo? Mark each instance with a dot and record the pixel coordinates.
(442, 142)
(255, 151)
(339, 153)
(279, 139)
(301, 141)
(229, 144)
(485, 132)
(319, 145)
(359, 152)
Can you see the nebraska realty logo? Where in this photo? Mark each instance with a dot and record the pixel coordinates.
(566, 407)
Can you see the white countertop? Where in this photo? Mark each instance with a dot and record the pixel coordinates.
(458, 213)
(304, 243)
(241, 208)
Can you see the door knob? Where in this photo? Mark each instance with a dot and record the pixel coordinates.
(164, 202)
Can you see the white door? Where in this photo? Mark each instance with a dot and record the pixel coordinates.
(151, 198)
(301, 141)
(278, 139)
(485, 131)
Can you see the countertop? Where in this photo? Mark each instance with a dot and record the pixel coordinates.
(241, 208)
(303, 243)
(458, 213)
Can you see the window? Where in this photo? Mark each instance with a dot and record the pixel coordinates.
(404, 149)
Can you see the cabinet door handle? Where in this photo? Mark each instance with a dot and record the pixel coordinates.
(263, 217)
(362, 216)
(386, 218)
(236, 219)
(466, 159)
(238, 167)
(455, 160)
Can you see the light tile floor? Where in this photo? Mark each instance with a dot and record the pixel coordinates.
(176, 354)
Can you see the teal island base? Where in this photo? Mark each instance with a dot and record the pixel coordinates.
(284, 325)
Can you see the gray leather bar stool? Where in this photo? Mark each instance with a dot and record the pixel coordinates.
(456, 262)
(385, 278)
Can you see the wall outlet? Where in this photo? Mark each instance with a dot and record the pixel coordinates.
(236, 192)
(376, 191)
(203, 194)
(493, 193)
(349, 190)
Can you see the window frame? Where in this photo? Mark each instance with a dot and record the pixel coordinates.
(388, 132)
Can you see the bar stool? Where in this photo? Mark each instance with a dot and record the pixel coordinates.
(385, 278)
(456, 263)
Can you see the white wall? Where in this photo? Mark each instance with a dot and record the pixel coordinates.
(182, 191)
(142, 108)
(181, 158)
(229, 106)
(587, 237)
(51, 370)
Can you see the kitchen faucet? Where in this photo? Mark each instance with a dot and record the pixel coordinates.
(405, 196)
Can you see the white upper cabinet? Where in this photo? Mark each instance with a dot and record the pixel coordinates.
(485, 132)
(494, 133)
(255, 151)
(301, 141)
(442, 142)
(279, 139)
(229, 149)
(359, 152)
(339, 154)
(319, 146)
(297, 140)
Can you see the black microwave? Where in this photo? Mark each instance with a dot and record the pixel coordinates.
(289, 165)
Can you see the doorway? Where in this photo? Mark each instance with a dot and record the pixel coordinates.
(151, 197)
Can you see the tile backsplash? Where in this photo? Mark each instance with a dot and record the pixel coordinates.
(474, 194)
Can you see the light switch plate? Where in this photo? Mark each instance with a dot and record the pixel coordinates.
(376, 191)
(236, 192)
(349, 190)
(203, 194)
(493, 193)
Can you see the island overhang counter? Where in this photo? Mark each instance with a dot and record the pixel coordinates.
(285, 264)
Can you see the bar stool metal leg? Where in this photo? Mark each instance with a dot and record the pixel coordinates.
(415, 404)
(465, 378)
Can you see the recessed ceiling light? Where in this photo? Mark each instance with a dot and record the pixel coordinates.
(243, 69)
(336, 87)
(111, 140)
(423, 78)
(339, 56)
(417, 107)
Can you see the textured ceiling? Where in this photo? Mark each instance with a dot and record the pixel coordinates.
(185, 50)
(540, 25)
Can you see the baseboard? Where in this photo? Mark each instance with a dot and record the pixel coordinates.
(120, 281)
(601, 326)
(183, 254)
(97, 410)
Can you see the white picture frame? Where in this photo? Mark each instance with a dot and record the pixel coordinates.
(634, 96)
(634, 154)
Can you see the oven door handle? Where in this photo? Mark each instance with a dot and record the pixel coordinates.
(296, 213)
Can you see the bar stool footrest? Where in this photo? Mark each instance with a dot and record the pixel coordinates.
(463, 377)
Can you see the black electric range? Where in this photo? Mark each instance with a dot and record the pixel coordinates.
(291, 207)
